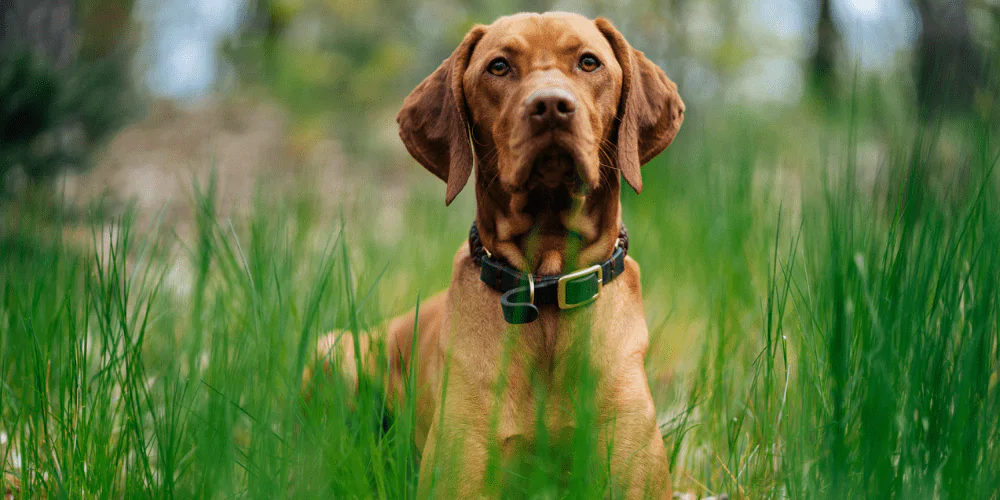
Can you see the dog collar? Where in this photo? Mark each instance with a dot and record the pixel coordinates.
(522, 292)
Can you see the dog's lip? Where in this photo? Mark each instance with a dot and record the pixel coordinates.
(553, 168)
(555, 148)
(581, 179)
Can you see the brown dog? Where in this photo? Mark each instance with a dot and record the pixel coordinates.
(549, 108)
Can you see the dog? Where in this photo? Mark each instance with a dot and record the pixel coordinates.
(552, 111)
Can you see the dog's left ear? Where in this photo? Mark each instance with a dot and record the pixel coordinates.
(433, 123)
(650, 111)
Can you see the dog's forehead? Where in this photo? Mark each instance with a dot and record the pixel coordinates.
(551, 31)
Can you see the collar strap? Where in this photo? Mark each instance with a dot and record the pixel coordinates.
(522, 292)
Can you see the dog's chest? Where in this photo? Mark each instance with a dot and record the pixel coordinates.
(561, 377)
(542, 381)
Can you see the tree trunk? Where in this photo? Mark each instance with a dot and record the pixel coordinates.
(823, 64)
(948, 65)
(47, 27)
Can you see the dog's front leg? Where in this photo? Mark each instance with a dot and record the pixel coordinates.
(454, 456)
(453, 463)
(638, 457)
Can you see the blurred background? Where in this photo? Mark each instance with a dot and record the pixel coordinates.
(127, 105)
(838, 153)
(120, 97)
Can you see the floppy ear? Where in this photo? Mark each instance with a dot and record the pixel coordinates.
(433, 123)
(650, 111)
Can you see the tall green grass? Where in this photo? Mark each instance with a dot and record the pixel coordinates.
(812, 337)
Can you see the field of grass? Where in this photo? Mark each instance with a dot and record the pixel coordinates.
(823, 298)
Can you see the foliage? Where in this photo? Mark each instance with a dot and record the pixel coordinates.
(51, 119)
(55, 111)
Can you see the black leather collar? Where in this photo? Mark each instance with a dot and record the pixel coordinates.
(522, 292)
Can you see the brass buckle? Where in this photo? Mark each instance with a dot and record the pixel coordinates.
(561, 287)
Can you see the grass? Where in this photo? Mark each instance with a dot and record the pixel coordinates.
(824, 324)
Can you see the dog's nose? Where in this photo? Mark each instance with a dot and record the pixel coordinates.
(550, 108)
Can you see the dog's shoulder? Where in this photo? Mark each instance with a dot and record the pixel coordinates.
(632, 276)
(467, 294)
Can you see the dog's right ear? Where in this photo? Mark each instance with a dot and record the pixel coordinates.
(433, 123)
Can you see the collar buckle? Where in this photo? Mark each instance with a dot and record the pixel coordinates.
(583, 273)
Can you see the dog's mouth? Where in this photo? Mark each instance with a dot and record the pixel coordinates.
(555, 183)
(551, 201)
(556, 169)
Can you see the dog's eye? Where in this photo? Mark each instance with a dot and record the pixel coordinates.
(499, 66)
(589, 63)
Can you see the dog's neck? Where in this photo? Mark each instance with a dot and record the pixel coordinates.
(548, 232)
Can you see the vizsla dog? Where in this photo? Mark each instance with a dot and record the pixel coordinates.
(548, 109)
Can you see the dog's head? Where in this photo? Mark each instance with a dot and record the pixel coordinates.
(542, 101)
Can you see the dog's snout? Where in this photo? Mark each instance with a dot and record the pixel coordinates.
(550, 108)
